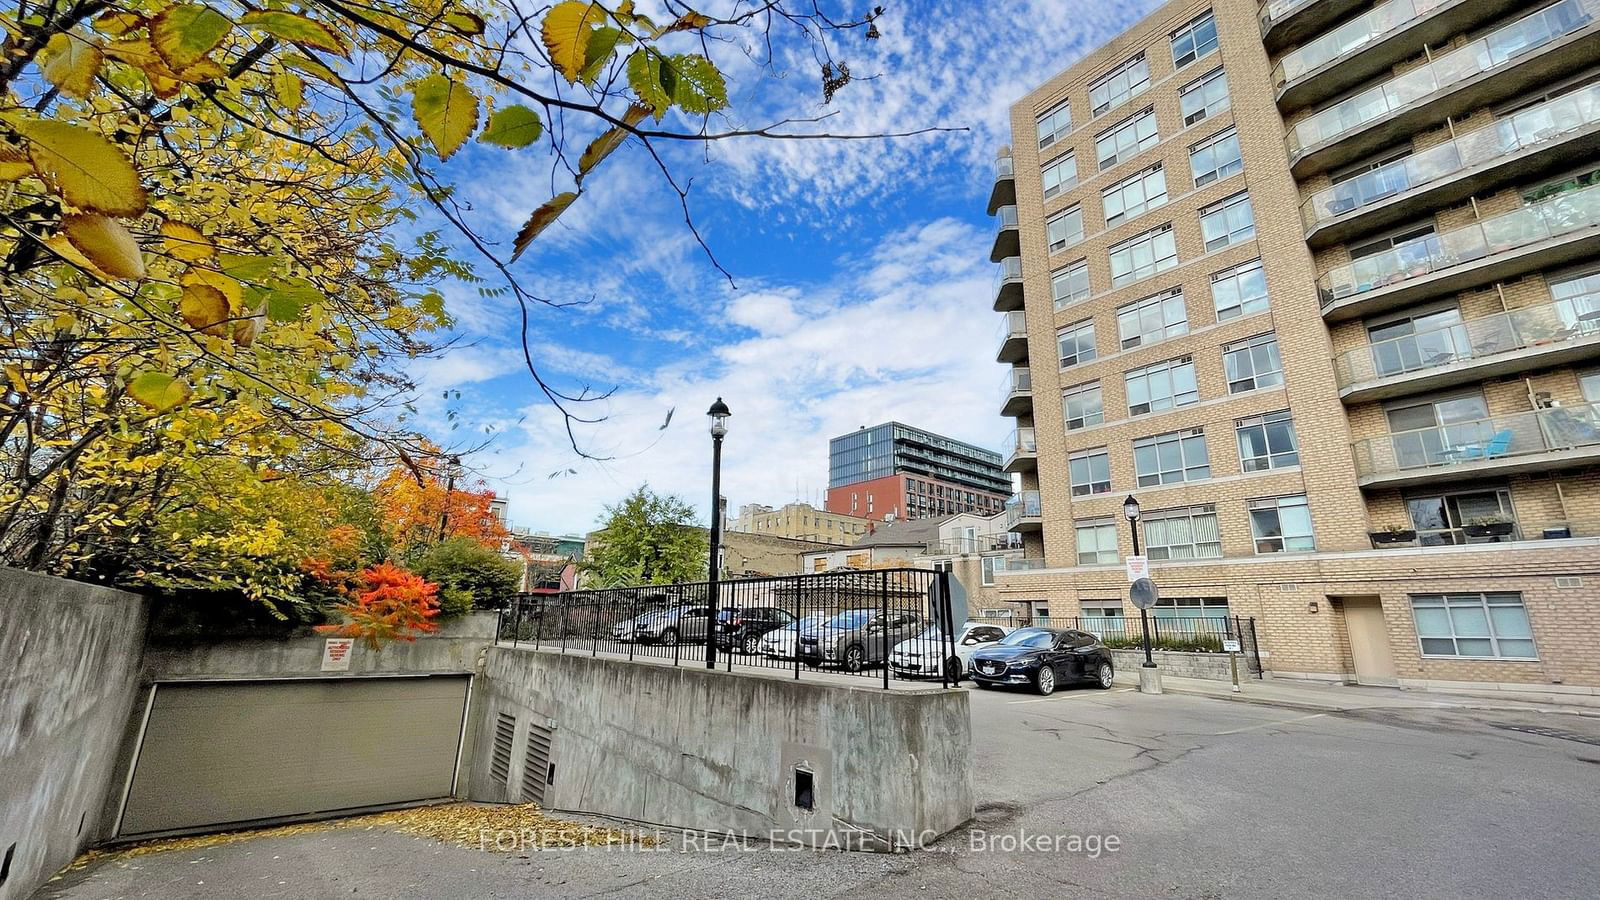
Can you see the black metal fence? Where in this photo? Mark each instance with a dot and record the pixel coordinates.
(869, 623)
(1192, 634)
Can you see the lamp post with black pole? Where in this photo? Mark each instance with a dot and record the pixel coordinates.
(1143, 594)
(719, 414)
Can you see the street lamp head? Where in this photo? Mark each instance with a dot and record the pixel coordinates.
(1130, 509)
(719, 414)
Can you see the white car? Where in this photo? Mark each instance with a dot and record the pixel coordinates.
(780, 644)
(919, 657)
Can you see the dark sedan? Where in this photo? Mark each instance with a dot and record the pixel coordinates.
(1043, 658)
(742, 628)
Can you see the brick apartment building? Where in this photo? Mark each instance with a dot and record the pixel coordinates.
(894, 471)
(1311, 271)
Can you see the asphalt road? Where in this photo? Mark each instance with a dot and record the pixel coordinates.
(1205, 799)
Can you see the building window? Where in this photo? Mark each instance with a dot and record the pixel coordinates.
(1203, 97)
(1100, 609)
(1164, 385)
(1089, 471)
(1441, 518)
(1228, 221)
(1267, 442)
(1071, 284)
(1282, 525)
(1216, 158)
(1082, 406)
(1194, 40)
(1252, 363)
(1578, 301)
(1191, 608)
(1125, 139)
(1481, 625)
(1134, 195)
(1060, 175)
(1184, 533)
(1097, 542)
(1143, 255)
(1171, 458)
(1119, 85)
(1065, 228)
(1239, 291)
(1076, 343)
(1054, 124)
(991, 565)
(1152, 319)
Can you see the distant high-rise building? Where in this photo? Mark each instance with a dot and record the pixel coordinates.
(895, 471)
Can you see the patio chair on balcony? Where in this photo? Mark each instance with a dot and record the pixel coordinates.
(1495, 446)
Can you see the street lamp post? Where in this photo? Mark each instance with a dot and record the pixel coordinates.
(719, 414)
(1130, 510)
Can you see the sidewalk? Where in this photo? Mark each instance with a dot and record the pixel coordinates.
(1344, 698)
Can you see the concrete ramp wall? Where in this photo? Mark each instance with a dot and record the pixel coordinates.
(727, 753)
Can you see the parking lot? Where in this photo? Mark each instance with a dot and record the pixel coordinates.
(1203, 798)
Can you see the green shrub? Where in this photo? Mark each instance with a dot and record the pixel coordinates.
(468, 575)
(1199, 643)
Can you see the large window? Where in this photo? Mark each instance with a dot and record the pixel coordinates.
(1054, 124)
(1134, 195)
(1065, 229)
(1417, 341)
(1060, 175)
(1071, 284)
(1578, 301)
(1152, 319)
(1267, 442)
(1185, 533)
(1097, 542)
(1239, 291)
(1171, 458)
(1126, 138)
(1082, 406)
(1441, 518)
(1143, 255)
(1119, 85)
(1228, 221)
(1282, 525)
(1163, 385)
(1190, 607)
(1426, 432)
(1194, 40)
(1076, 343)
(1090, 472)
(1216, 158)
(1252, 363)
(1490, 625)
(1203, 97)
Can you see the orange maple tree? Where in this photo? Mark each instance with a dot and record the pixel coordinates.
(413, 501)
(392, 604)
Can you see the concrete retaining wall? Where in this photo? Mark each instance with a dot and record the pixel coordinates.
(714, 751)
(69, 664)
(1186, 665)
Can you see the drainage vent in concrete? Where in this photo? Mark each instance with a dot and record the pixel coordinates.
(805, 792)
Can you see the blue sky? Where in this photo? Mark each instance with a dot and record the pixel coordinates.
(863, 285)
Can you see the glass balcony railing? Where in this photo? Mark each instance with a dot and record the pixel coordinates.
(1501, 437)
(982, 543)
(1012, 325)
(1278, 9)
(1562, 214)
(1004, 168)
(1006, 216)
(1025, 505)
(1018, 564)
(1550, 324)
(1017, 381)
(1022, 441)
(1489, 52)
(1529, 128)
(1346, 39)
(1010, 269)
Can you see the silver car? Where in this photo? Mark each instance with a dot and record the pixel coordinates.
(780, 644)
(677, 624)
(858, 638)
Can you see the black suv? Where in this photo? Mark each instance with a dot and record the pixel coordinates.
(742, 628)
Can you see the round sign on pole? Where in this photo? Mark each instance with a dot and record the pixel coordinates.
(1143, 593)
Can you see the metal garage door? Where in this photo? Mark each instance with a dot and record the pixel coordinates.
(218, 753)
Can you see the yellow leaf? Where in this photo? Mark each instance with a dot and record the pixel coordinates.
(205, 309)
(91, 172)
(445, 110)
(540, 220)
(468, 23)
(118, 24)
(247, 329)
(294, 28)
(289, 89)
(602, 146)
(60, 246)
(186, 242)
(18, 382)
(206, 69)
(184, 33)
(690, 20)
(13, 163)
(230, 289)
(157, 391)
(106, 243)
(70, 63)
(565, 33)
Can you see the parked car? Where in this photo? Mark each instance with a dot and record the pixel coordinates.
(1043, 658)
(858, 638)
(742, 627)
(675, 625)
(919, 656)
(780, 644)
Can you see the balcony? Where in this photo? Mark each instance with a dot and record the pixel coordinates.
(1363, 47)
(1008, 285)
(1024, 455)
(1013, 338)
(1508, 61)
(1285, 23)
(983, 543)
(1007, 237)
(1552, 232)
(1560, 132)
(1004, 191)
(1560, 333)
(1016, 393)
(1025, 513)
(1018, 565)
(1541, 440)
